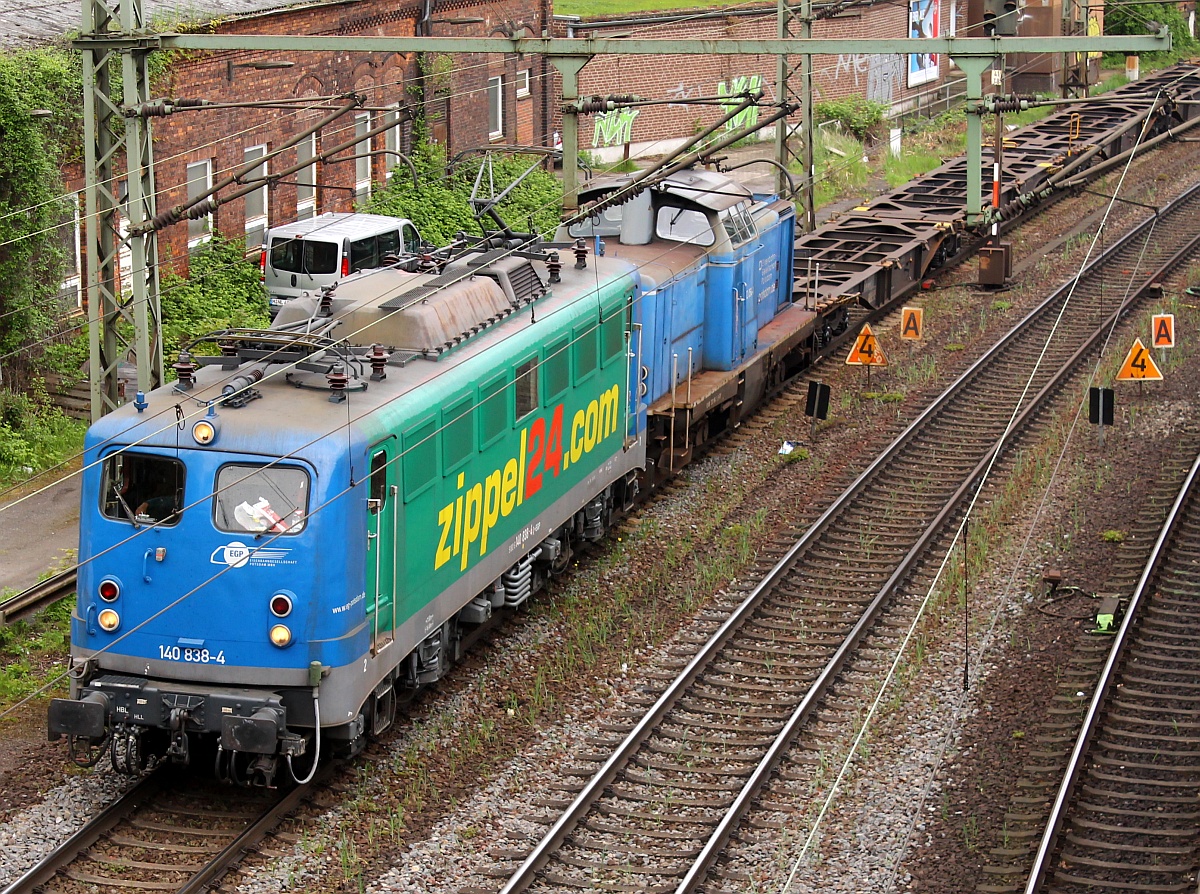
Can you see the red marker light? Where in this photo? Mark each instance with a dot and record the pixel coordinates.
(109, 591)
(281, 605)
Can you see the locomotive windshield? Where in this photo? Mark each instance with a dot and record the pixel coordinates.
(143, 489)
(685, 225)
(261, 499)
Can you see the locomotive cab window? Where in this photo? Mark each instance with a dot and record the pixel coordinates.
(606, 223)
(261, 499)
(685, 225)
(738, 223)
(143, 489)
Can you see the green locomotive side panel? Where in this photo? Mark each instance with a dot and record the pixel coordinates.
(486, 448)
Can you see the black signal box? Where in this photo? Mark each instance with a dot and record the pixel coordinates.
(1100, 406)
(817, 404)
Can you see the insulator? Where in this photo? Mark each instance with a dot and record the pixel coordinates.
(241, 383)
(185, 370)
(165, 218)
(326, 307)
(581, 253)
(554, 266)
(202, 209)
(378, 363)
(338, 381)
(228, 349)
(158, 109)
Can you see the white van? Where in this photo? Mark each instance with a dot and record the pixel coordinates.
(304, 256)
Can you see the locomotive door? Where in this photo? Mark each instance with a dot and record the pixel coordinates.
(745, 287)
(383, 508)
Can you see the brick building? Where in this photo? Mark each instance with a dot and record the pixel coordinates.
(471, 101)
(903, 82)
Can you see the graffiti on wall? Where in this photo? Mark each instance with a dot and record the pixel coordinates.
(748, 116)
(877, 75)
(614, 127)
(681, 92)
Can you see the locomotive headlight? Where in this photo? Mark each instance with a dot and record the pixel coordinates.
(281, 605)
(109, 620)
(109, 590)
(280, 635)
(204, 431)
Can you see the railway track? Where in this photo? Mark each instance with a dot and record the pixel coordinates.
(170, 832)
(657, 811)
(33, 599)
(1125, 816)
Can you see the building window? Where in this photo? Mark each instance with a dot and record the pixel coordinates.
(70, 293)
(306, 178)
(362, 160)
(256, 202)
(392, 141)
(496, 108)
(199, 182)
(522, 83)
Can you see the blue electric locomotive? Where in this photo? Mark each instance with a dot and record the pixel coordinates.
(279, 545)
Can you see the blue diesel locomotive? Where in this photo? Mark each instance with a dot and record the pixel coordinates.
(276, 548)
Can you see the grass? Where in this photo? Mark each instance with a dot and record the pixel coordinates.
(31, 652)
(899, 169)
(37, 441)
(841, 169)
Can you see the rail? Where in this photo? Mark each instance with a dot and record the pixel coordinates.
(603, 778)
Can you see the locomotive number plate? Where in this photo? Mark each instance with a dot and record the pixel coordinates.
(193, 656)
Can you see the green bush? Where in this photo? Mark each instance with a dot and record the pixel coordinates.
(223, 290)
(33, 437)
(1135, 19)
(439, 203)
(856, 114)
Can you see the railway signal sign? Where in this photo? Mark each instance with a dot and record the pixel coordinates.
(912, 323)
(1163, 328)
(817, 404)
(866, 351)
(1139, 366)
(1100, 406)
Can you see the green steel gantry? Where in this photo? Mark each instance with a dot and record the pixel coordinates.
(116, 30)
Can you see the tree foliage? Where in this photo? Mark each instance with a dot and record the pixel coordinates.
(1136, 19)
(439, 201)
(32, 208)
(223, 290)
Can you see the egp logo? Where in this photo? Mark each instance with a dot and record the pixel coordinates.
(235, 555)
